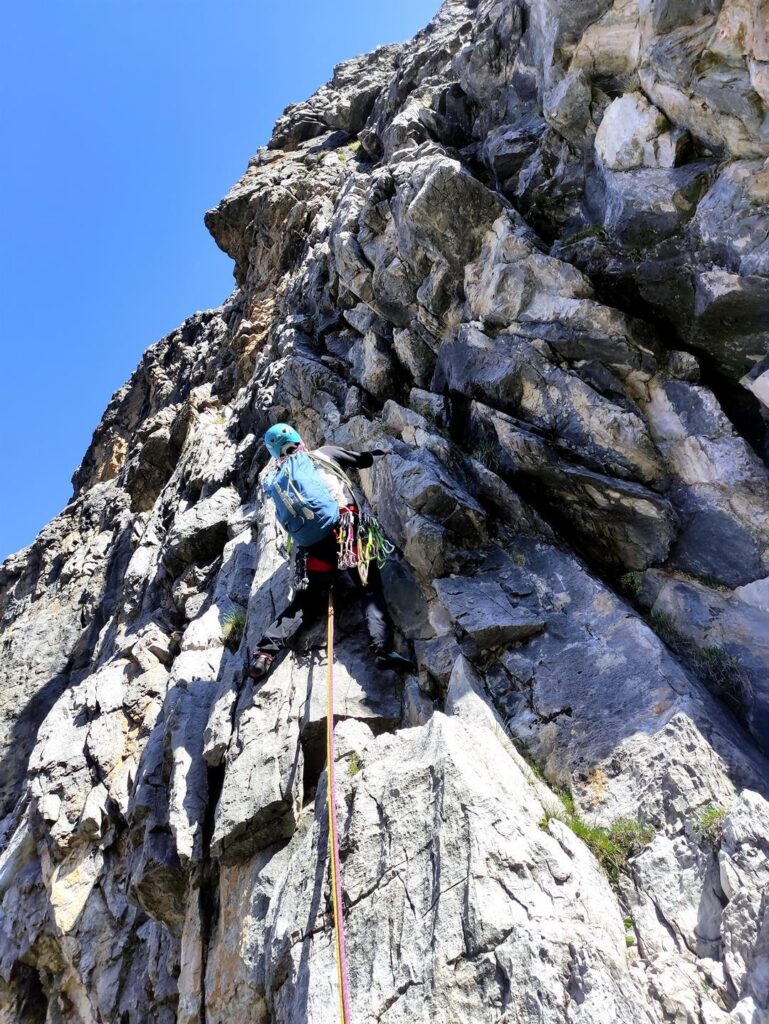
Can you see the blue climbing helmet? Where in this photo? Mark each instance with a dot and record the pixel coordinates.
(279, 437)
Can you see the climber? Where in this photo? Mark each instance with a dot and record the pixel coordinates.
(316, 505)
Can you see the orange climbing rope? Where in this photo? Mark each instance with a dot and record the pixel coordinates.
(336, 871)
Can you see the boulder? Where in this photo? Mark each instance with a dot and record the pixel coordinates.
(634, 133)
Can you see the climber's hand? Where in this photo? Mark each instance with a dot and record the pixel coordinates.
(381, 451)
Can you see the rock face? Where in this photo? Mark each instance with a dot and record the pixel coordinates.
(529, 249)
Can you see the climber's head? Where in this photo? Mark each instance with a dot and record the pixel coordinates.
(282, 439)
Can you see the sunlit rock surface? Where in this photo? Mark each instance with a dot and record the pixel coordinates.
(527, 251)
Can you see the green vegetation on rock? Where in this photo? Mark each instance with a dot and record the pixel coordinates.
(710, 823)
(232, 628)
(720, 671)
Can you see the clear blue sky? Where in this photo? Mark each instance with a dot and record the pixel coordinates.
(122, 122)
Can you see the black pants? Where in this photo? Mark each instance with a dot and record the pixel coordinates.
(312, 602)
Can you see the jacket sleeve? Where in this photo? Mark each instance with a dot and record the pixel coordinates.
(348, 459)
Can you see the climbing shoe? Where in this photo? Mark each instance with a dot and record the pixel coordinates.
(394, 660)
(260, 665)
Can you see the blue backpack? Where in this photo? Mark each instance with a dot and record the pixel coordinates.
(305, 508)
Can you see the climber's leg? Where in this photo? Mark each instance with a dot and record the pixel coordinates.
(372, 602)
(378, 622)
(306, 605)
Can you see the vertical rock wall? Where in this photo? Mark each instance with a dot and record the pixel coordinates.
(529, 249)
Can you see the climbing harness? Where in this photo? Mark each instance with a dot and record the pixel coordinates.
(333, 838)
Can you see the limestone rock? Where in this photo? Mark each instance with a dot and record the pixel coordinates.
(633, 133)
(483, 611)
(482, 915)
(742, 868)
(734, 639)
(524, 252)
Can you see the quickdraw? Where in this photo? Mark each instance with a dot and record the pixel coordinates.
(373, 546)
(359, 547)
(348, 556)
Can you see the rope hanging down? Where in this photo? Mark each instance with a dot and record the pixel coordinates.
(336, 872)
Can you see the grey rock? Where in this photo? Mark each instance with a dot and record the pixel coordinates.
(720, 488)
(431, 406)
(495, 250)
(732, 309)
(261, 798)
(481, 609)
(633, 133)
(616, 521)
(506, 148)
(514, 375)
(344, 103)
(755, 594)
(199, 534)
(372, 366)
(732, 637)
(437, 657)
(566, 106)
(454, 760)
(418, 709)
(644, 206)
(757, 381)
(730, 218)
(683, 366)
(742, 861)
(665, 15)
(415, 354)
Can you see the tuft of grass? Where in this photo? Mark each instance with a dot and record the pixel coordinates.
(351, 149)
(725, 673)
(487, 454)
(553, 810)
(710, 823)
(589, 232)
(612, 847)
(664, 626)
(630, 836)
(381, 427)
(630, 940)
(233, 626)
(713, 582)
(722, 672)
(355, 764)
(631, 584)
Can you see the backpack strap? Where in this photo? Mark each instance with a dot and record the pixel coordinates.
(338, 472)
